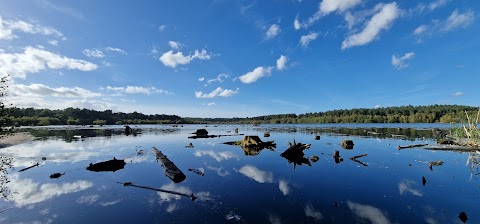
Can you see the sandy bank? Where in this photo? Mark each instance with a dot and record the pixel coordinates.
(14, 139)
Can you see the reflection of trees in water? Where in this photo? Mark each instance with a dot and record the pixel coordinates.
(5, 166)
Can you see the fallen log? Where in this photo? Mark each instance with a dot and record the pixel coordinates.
(410, 146)
(171, 171)
(130, 184)
(107, 166)
(30, 167)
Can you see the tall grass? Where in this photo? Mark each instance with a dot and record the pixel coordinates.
(467, 133)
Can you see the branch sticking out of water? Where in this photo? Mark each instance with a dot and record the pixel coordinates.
(130, 184)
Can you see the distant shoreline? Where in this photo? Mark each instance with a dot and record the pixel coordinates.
(15, 139)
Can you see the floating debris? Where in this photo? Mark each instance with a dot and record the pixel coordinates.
(197, 171)
(171, 171)
(424, 181)
(463, 217)
(266, 134)
(347, 144)
(56, 175)
(410, 146)
(317, 137)
(314, 158)
(30, 167)
(189, 145)
(140, 152)
(232, 216)
(435, 163)
(107, 166)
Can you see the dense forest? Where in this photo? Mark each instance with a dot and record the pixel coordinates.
(401, 114)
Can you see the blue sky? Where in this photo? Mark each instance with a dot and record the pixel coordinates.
(239, 58)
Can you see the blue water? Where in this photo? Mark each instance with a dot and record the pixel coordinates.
(239, 188)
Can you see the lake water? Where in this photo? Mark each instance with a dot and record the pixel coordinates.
(386, 186)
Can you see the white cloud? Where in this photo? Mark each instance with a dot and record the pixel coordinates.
(458, 19)
(88, 199)
(420, 30)
(217, 92)
(211, 104)
(457, 94)
(93, 53)
(310, 211)
(256, 74)
(283, 186)
(399, 63)
(53, 42)
(40, 90)
(33, 60)
(64, 9)
(171, 59)
(219, 170)
(201, 79)
(328, 6)
(219, 156)
(273, 31)
(421, 7)
(281, 62)
(174, 45)
(28, 192)
(408, 186)
(258, 175)
(296, 23)
(109, 203)
(114, 49)
(306, 39)
(368, 213)
(274, 219)
(138, 90)
(162, 28)
(382, 20)
(219, 78)
(8, 27)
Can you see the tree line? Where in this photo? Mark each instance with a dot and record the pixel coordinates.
(401, 114)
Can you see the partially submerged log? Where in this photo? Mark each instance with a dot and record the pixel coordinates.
(336, 156)
(457, 148)
(410, 146)
(203, 133)
(294, 154)
(252, 145)
(107, 166)
(434, 163)
(171, 171)
(347, 144)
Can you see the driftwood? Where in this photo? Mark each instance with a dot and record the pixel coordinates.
(347, 144)
(410, 146)
(30, 167)
(457, 148)
(130, 184)
(354, 158)
(435, 163)
(107, 166)
(171, 171)
(56, 175)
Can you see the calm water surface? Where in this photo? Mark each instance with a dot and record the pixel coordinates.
(238, 186)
